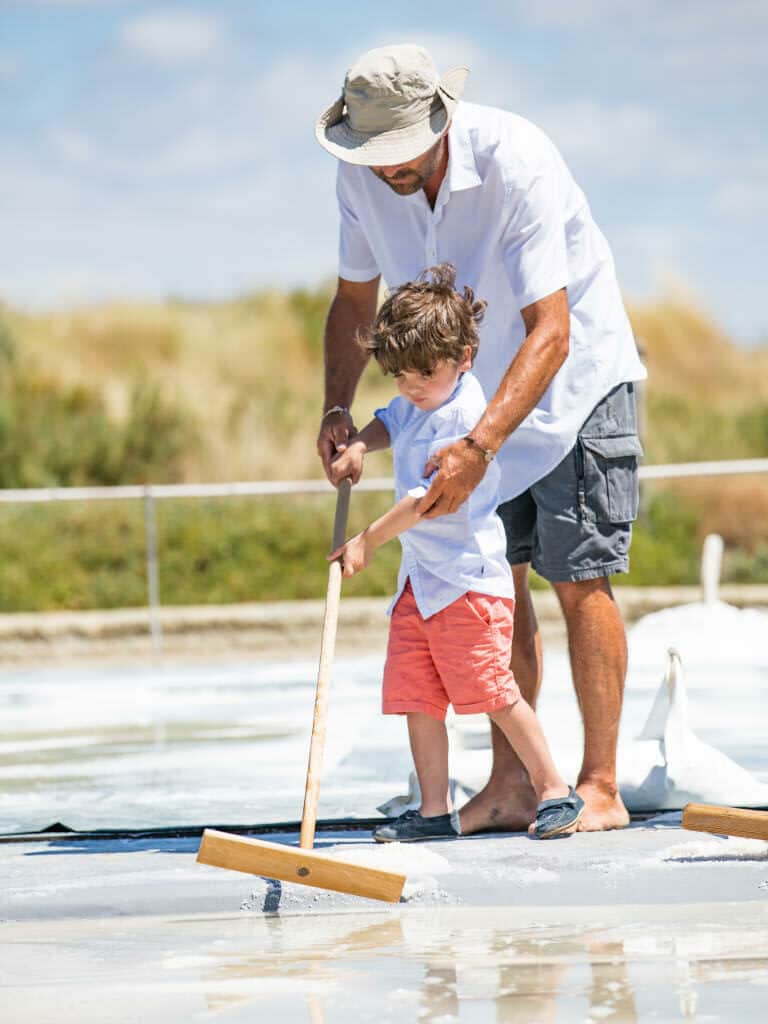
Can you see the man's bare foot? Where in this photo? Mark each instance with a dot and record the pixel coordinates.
(499, 807)
(603, 808)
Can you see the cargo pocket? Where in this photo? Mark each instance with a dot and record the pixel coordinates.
(607, 478)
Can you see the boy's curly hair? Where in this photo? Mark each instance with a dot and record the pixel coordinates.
(423, 322)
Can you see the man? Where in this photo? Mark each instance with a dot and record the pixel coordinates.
(424, 179)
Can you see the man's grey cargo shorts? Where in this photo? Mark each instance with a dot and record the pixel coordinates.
(576, 522)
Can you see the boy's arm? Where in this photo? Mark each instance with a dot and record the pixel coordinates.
(357, 553)
(372, 438)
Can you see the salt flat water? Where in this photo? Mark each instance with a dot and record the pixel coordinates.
(134, 747)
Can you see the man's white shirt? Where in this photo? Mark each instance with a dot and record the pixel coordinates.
(466, 550)
(512, 220)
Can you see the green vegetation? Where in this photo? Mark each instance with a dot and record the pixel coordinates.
(55, 433)
(74, 555)
(204, 392)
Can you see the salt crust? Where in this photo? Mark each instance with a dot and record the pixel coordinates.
(403, 858)
(718, 849)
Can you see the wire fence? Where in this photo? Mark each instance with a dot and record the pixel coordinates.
(150, 493)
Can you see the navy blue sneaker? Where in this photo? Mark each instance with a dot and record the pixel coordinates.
(553, 817)
(412, 827)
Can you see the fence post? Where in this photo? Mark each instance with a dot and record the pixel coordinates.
(153, 583)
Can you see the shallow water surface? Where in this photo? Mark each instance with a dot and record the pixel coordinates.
(430, 966)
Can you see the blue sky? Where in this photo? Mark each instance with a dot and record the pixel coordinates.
(151, 149)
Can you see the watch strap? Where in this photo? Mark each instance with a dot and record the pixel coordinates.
(487, 454)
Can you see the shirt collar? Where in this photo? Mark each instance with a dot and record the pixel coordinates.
(462, 169)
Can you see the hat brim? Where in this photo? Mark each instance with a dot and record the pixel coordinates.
(372, 149)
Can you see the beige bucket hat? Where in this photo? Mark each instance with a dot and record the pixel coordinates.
(393, 108)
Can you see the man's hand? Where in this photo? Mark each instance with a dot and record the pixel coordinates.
(333, 439)
(461, 468)
(348, 463)
(355, 555)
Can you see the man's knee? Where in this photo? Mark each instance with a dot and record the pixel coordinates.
(578, 594)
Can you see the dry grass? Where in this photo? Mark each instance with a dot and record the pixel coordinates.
(245, 370)
(242, 384)
(250, 373)
(689, 356)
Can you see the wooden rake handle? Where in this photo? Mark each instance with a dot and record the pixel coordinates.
(726, 821)
(323, 688)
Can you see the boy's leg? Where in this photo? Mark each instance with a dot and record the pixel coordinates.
(507, 801)
(412, 686)
(523, 730)
(471, 642)
(429, 747)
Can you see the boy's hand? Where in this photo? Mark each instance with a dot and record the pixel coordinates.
(348, 463)
(355, 555)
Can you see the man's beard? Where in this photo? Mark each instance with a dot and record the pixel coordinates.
(406, 184)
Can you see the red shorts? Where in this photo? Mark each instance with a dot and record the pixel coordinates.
(459, 656)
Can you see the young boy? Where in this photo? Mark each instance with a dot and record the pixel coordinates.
(451, 620)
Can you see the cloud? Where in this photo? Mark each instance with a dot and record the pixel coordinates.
(649, 257)
(9, 67)
(708, 46)
(621, 141)
(743, 198)
(70, 3)
(170, 38)
(209, 182)
(657, 17)
(71, 145)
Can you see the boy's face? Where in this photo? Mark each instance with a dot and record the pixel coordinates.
(428, 391)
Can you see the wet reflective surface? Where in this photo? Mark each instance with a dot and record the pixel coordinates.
(696, 964)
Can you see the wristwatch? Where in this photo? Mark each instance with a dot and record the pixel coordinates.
(485, 452)
(334, 409)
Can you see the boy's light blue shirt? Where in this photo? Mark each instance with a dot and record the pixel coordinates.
(466, 550)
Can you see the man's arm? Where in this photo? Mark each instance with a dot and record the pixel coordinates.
(461, 465)
(353, 308)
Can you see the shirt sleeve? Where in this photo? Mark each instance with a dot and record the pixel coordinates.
(534, 247)
(422, 488)
(448, 428)
(451, 428)
(356, 261)
(392, 418)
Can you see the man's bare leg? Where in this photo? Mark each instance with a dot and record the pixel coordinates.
(598, 650)
(507, 802)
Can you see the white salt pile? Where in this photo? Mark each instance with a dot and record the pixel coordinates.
(404, 858)
(668, 766)
(418, 864)
(707, 635)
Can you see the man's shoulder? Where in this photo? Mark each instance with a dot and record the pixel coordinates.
(503, 138)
